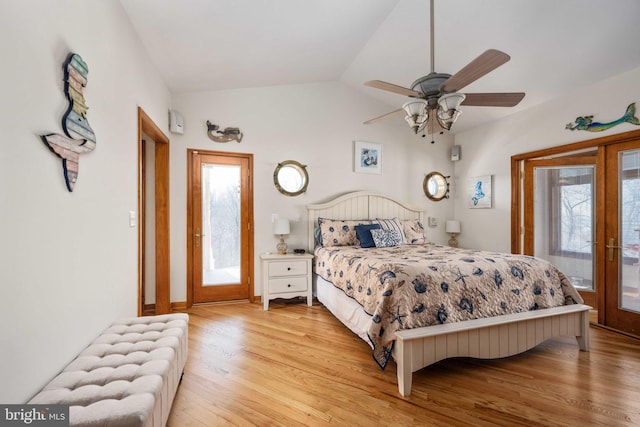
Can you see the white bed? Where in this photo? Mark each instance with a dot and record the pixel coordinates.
(484, 338)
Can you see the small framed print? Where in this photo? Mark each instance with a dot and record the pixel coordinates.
(367, 157)
(480, 192)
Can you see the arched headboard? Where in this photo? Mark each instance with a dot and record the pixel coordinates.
(359, 205)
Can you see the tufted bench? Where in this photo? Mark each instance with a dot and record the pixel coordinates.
(128, 376)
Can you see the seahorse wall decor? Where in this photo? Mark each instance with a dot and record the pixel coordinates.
(226, 135)
(78, 136)
(587, 123)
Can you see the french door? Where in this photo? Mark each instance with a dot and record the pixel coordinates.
(220, 237)
(622, 237)
(578, 206)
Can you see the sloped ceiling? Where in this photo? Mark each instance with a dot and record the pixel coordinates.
(556, 46)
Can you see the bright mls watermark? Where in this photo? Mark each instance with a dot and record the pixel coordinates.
(34, 415)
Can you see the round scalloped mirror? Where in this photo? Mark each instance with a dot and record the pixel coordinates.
(291, 178)
(436, 186)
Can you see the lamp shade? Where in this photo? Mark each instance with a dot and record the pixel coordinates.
(452, 226)
(281, 226)
(415, 107)
(451, 101)
(417, 114)
(449, 109)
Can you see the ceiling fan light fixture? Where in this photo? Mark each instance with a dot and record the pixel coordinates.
(437, 94)
(417, 114)
(449, 109)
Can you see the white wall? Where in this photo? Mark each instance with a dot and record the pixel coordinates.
(488, 150)
(68, 261)
(316, 125)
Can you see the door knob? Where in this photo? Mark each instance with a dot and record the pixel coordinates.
(197, 236)
(611, 248)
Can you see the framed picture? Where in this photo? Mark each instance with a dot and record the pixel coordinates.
(480, 192)
(367, 157)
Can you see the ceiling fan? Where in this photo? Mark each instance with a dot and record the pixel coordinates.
(436, 100)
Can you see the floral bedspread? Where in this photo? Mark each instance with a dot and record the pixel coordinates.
(410, 286)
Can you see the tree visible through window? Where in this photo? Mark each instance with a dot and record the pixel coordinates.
(574, 190)
(630, 214)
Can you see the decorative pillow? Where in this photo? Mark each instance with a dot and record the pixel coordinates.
(392, 224)
(363, 232)
(413, 231)
(317, 235)
(386, 238)
(338, 232)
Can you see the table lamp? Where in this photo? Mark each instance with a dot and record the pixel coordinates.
(281, 227)
(452, 227)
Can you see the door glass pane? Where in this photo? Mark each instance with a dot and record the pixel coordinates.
(564, 202)
(220, 224)
(629, 231)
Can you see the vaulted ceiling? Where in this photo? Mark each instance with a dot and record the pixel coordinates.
(556, 46)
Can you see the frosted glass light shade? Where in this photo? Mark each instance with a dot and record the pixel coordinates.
(451, 101)
(417, 114)
(449, 109)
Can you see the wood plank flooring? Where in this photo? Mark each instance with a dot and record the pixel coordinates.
(296, 365)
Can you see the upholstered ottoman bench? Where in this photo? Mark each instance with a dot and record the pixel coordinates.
(128, 376)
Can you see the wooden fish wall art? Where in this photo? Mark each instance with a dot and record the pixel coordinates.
(78, 136)
(587, 123)
(226, 135)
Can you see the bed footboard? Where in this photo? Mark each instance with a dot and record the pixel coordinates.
(487, 338)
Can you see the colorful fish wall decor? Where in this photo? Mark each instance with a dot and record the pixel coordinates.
(587, 123)
(226, 135)
(78, 136)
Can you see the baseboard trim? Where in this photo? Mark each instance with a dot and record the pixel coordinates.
(179, 305)
(150, 309)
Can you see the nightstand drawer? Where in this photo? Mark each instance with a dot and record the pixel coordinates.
(291, 284)
(288, 268)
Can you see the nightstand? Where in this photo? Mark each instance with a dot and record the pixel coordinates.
(286, 276)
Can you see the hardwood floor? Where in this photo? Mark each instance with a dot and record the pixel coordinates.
(297, 365)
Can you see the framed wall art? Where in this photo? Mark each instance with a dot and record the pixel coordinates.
(479, 196)
(367, 157)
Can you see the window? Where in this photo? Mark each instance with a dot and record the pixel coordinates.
(572, 189)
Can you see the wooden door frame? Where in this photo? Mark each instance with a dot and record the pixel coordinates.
(190, 225)
(147, 126)
(599, 144)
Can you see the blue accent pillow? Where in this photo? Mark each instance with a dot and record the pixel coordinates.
(363, 231)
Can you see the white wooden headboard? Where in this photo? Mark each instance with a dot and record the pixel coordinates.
(359, 205)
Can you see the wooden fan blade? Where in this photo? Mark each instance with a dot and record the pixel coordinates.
(483, 64)
(379, 84)
(493, 99)
(384, 116)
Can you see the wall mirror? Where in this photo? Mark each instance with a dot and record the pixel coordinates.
(291, 178)
(436, 186)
